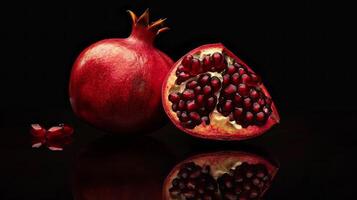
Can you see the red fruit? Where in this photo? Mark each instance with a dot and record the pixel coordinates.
(222, 175)
(244, 108)
(115, 84)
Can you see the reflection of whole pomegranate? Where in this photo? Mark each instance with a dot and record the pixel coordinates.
(113, 168)
(115, 84)
(220, 175)
(211, 93)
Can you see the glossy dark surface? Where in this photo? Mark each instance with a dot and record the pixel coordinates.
(297, 48)
(315, 154)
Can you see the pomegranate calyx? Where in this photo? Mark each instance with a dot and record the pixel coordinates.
(142, 28)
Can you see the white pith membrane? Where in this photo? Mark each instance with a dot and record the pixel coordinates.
(218, 167)
(218, 123)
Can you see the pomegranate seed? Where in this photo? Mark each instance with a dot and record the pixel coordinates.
(249, 116)
(260, 116)
(204, 79)
(261, 102)
(189, 124)
(245, 78)
(216, 83)
(186, 61)
(195, 116)
(254, 94)
(228, 106)
(196, 66)
(182, 68)
(235, 78)
(266, 110)
(174, 107)
(237, 98)
(37, 130)
(226, 79)
(198, 90)
(211, 102)
(200, 99)
(191, 84)
(268, 101)
(181, 105)
(174, 97)
(237, 112)
(247, 102)
(256, 107)
(188, 94)
(184, 117)
(242, 89)
(217, 59)
(231, 69)
(191, 105)
(207, 63)
(241, 71)
(230, 89)
(207, 90)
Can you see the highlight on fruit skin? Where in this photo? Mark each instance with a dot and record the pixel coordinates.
(220, 175)
(115, 83)
(211, 93)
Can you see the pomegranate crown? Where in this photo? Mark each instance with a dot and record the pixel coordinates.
(155, 27)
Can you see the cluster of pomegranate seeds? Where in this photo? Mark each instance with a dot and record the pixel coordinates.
(54, 138)
(246, 181)
(194, 182)
(193, 66)
(240, 97)
(197, 100)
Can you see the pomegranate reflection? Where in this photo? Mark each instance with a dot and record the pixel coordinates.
(117, 168)
(220, 175)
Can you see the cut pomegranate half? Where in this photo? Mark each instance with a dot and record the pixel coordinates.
(221, 175)
(210, 93)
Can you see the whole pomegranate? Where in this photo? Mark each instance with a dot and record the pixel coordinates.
(115, 84)
(211, 93)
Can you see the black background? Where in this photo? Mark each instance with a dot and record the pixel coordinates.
(295, 46)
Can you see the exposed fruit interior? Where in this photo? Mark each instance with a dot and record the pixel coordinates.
(211, 85)
(234, 179)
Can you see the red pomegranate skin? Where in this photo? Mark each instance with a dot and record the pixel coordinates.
(115, 84)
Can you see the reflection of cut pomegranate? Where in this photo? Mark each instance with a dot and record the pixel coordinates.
(116, 83)
(222, 175)
(211, 93)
